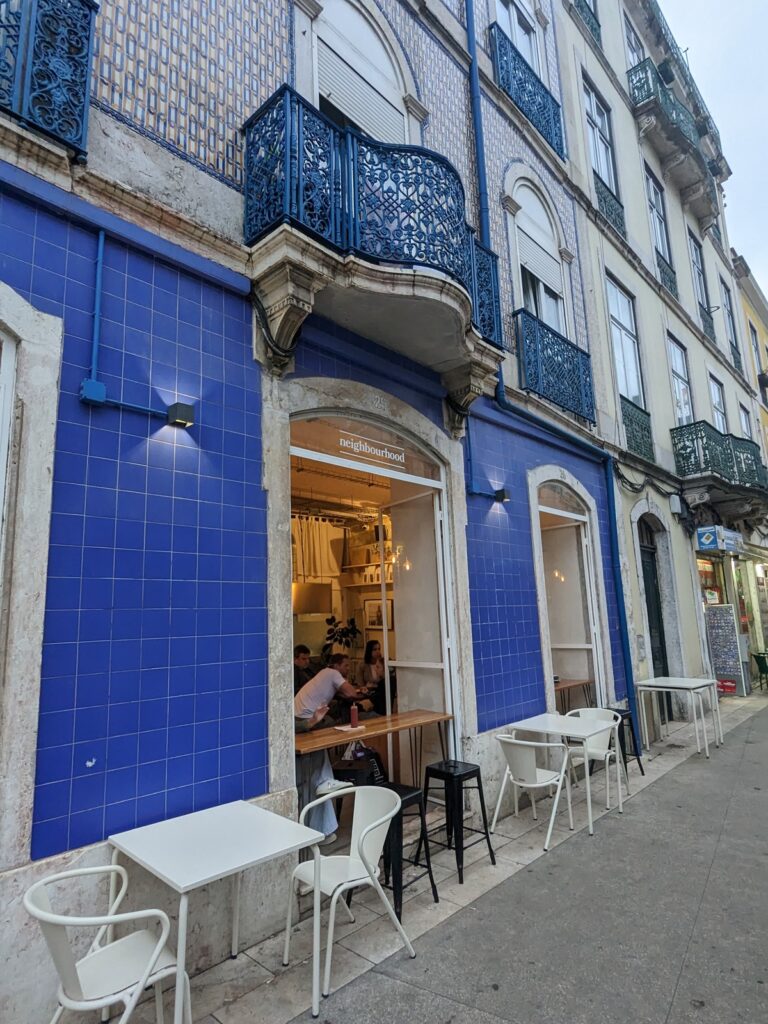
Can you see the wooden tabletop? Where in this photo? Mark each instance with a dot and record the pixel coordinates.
(568, 684)
(382, 725)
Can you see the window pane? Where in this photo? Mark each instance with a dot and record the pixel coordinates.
(746, 422)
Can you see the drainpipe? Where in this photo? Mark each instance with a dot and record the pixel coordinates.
(477, 125)
(596, 455)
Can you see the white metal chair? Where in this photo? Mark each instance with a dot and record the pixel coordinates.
(111, 972)
(599, 748)
(374, 809)
(524, 773)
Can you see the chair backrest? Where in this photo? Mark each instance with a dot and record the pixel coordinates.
(521, 757)
(602, 740)
(372, 804)
(762, 663)
(54, 926)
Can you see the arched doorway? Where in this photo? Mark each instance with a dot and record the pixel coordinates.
(572, 603)
(369, 551)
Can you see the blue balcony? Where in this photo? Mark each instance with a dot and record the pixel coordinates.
(524, 87)
(45, 66)
(385, 203)
(551, 366)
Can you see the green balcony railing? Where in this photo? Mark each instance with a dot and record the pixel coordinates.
(700, 449)
(646, 84)
(609, 206)
(707, 323)
(736, 358)
(589, 18)
(637, 427)
(667, 275)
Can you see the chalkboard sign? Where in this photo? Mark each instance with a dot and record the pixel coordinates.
(724, 647)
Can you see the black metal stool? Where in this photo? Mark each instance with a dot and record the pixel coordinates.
(628, 720)
(410, 796)
(455, 775)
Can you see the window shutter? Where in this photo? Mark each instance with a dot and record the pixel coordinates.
(536, 259)
(356, 98)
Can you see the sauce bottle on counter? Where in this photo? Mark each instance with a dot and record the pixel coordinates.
(353, 716)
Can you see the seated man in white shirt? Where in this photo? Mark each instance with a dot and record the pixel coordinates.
(310, 706)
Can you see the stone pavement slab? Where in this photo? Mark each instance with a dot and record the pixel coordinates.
(660, 918)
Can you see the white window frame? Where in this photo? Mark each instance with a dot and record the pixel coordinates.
(509, 15)
(541, 293)
(657, 211)
(600, 140)
(681, 382)
(729, 318)
(717, 403)
(755, 342)
(633, 51)
(700, 289)
(626, 344)
(745, 421)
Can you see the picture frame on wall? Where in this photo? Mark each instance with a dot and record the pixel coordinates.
(374, 613)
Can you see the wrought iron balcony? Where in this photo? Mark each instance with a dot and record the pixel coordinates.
(667, 275)
(637, 426)
(524, 87)
(736, 358)
(384, 203)
(674, 133)
(707, 323)
(589, 18)
(609, 206)
(553, 367)
(701, 450)
(45, 66)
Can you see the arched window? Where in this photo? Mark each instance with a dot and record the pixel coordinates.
(359, 82)
(538, 252)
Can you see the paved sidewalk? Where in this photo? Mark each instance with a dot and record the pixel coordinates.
(661, 917)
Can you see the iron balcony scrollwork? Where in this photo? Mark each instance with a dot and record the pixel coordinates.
(645, 83)
(707, 323)
(736, 359)
(46, 47)
(589, 18)
(524, 87)
(553, 367)
(637, 427)
(667, 275)
(385, 203)
(610, 207)
(701, 449)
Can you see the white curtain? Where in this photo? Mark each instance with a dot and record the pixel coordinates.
(317, 549)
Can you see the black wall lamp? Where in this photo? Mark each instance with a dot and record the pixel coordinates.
(181, 415)
(502, 494)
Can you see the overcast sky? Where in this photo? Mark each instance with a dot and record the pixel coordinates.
(728, 57)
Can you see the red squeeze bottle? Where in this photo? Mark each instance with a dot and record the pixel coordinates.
(353, 720)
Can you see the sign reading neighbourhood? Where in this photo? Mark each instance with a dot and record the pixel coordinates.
(724, 649)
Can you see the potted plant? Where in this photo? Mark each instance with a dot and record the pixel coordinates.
(339, 634)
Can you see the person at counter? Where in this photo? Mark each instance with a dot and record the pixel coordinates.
(302, 673)
(314, 775)
(370, 676)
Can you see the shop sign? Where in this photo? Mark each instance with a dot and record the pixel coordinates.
(717, 538)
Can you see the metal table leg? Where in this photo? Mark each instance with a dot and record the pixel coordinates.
(181, 960)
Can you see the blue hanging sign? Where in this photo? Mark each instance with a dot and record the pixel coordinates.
(717, 538)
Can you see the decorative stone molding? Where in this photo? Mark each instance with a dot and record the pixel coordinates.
(311, 8)
(672, 163)
(287, 293)
(510, 205)
(466, 383)
(416, 108)
(541, 17)
(566, 255)
(646, 124)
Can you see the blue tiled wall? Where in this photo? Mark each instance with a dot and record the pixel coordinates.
(153, 698)
(509, 676)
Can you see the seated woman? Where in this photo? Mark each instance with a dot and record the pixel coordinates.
(370, 676)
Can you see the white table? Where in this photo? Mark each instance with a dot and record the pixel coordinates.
(695, 688)
(573, 727)
(220, 842)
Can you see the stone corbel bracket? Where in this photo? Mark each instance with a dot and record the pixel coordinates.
(466, 383)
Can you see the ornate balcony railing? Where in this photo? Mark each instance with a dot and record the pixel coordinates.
(45, 66)
(667, 275)
(707, 323)
(609, 206)
(524, 87)
(736, 359)
(637, 426)
(553, 367)
(645, 83)
(700, 449)
(385, 203)
(589, 18)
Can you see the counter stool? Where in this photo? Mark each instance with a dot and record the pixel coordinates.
(628, 720)
(410, 796)
(455, 775)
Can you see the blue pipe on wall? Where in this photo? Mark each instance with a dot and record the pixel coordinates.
(477, 125)
(596, 454)
(92, 390)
